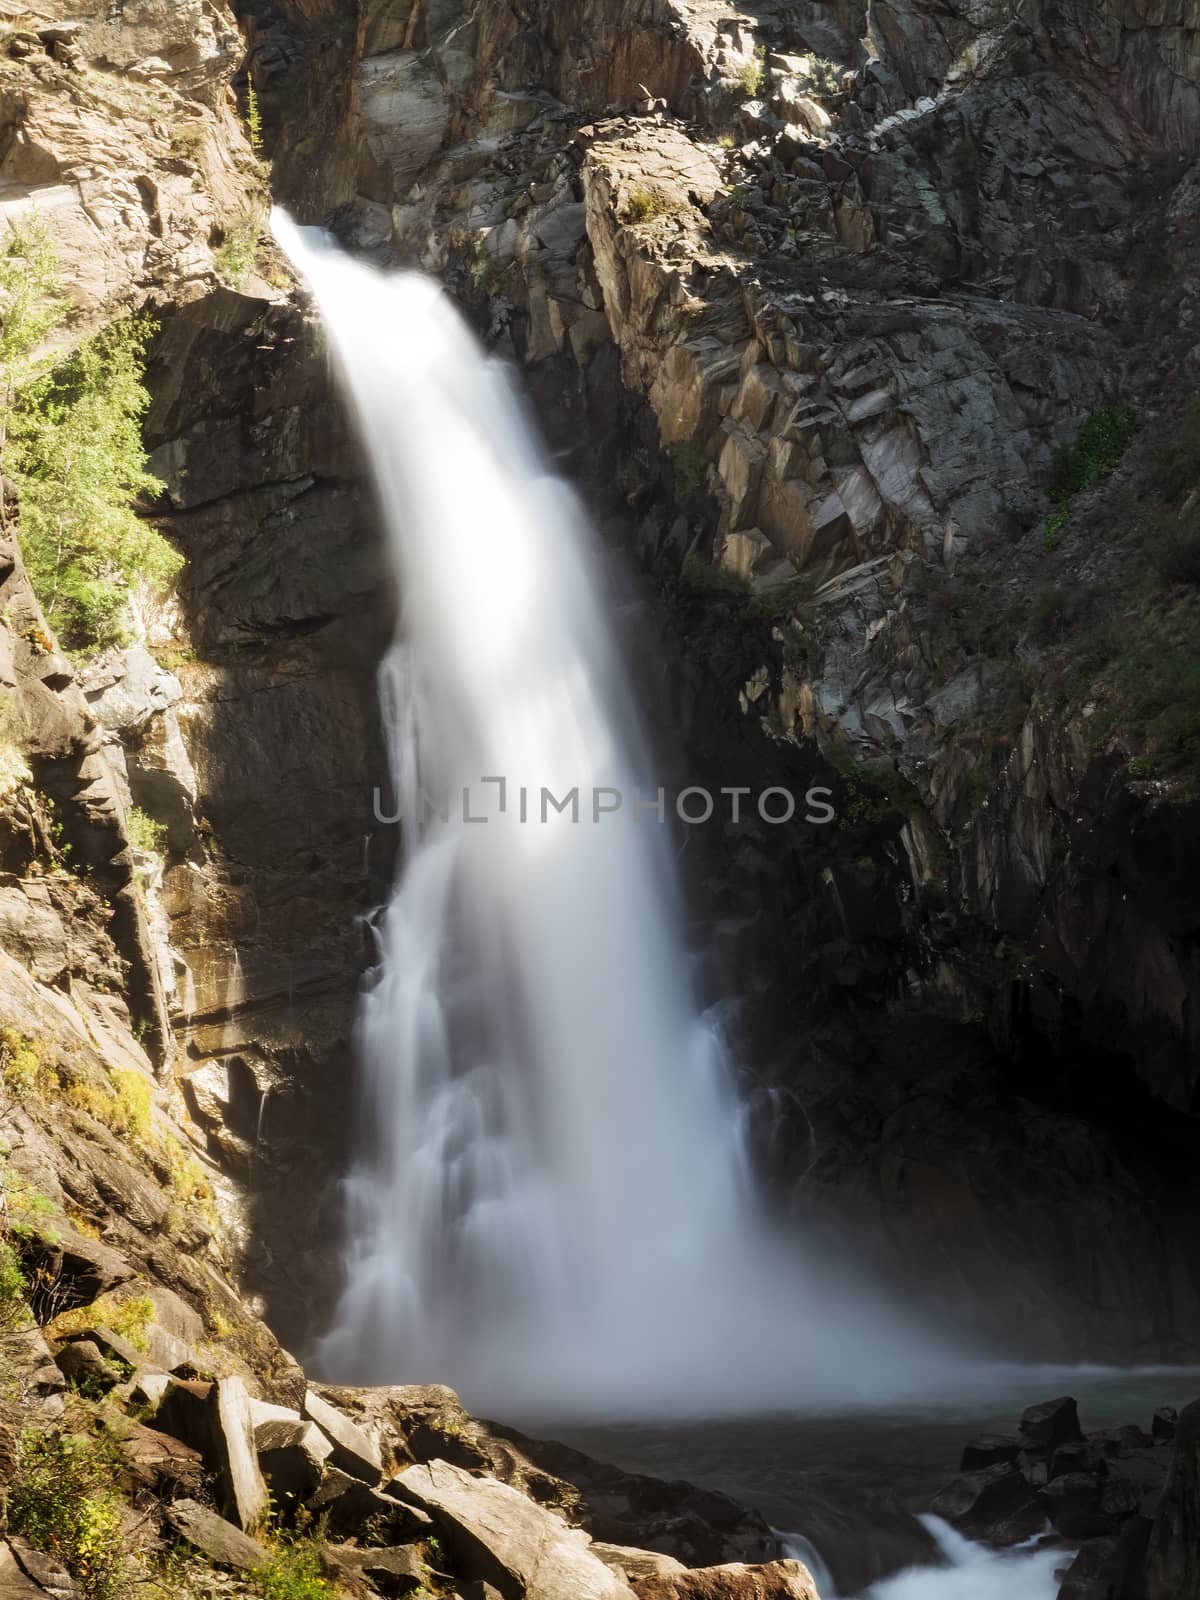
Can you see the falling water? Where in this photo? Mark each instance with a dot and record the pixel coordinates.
(550, 1209)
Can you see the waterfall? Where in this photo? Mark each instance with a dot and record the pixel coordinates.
(549, 1208)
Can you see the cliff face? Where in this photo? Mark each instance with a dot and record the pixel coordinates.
(811, 297)
(829, 291)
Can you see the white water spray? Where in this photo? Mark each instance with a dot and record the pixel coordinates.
(550, 1211)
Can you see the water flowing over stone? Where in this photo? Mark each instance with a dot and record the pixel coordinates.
(550, 1208)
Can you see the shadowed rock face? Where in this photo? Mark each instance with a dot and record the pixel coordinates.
(841, 355)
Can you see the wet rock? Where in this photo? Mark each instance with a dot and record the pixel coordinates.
(779, 1580)
(496, 1534)
(354, 1451)
(978, 1501)
(1075, 1506)
(1163, 1423)
(222, 1543)
(1046, 1426)
(1089, 1571)
(1172, 1570)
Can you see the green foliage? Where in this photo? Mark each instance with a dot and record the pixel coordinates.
(253, 118)
(129, 1316)
(292, 1572)
(31, 305)
(643, 205)
(726, 141)
(772, 605)
(13, 1289)
(24, 1068)
(702, 577)
(60, 1501)
(144, 832)
(74, 449)
(237, 256)
(690, 465)
(123, 1106)
(1152, 688)
(1094, 456)
(752, 76)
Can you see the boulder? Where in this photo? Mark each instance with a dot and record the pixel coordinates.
(637, 1564)
(66, 1271)
(1044, 1427)
(82, 1364)
(980, 1501)
(348, 1506)
(1163, 1423)
(241, 1488)
(395, 1569)
(291, 1457)
(989, 1450)
(776, 1580)
(156, 1461)
(354, 1451)
(1075, 1509)
(220, 1541)
(1088, 1571)
(47, 1574)
(15, 1583)
(496, 1534)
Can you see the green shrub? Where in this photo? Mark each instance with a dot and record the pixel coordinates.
(704, 578)
(293, 1572)
(643, 205)
(13, 1289)
(144, 832)
(238, 254)
(74, 449)
(752, 75)
(253, 118)
(60, 1501)
(187, 140)
(690, 465)
(130, 1317)
(1095, 454)
(24, 1068)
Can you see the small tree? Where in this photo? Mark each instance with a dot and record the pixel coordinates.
(71, 429)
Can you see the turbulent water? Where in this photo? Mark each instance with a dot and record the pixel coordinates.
(550, 1209)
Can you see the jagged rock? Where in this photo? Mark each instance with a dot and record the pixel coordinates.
(67, 1271)
(223, 1544)
(637, 1564)
(1164, 1423)
(15, 1583)
(1088, 1571)
(496, 1534)
(354, 1451)
(393, 1570)
(243, 1493)
(157, 1461)
(1075, 1508)
(778, 1580)
(1046, 1426)
(83, 1364)
(348, 1505)
(1172, 1570)
(978, 1501)
(49, 1575)
(291, 1457)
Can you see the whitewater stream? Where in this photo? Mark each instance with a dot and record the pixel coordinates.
(550, 1209)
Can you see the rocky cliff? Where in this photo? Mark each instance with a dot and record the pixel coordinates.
(866, 329)
(876, 323)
